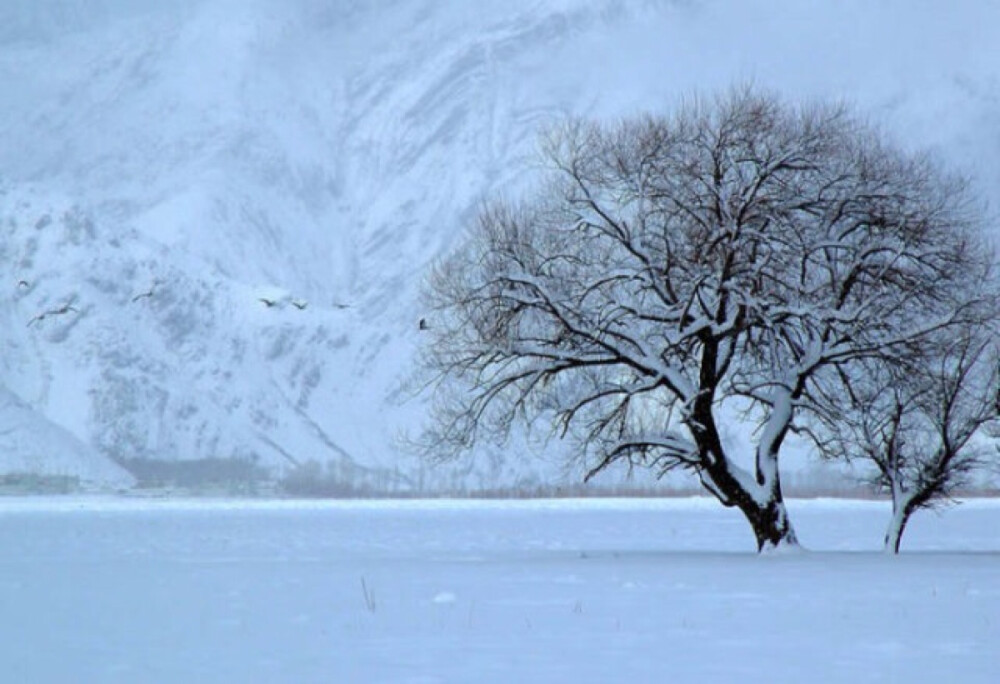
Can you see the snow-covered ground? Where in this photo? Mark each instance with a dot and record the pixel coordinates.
(95, 590)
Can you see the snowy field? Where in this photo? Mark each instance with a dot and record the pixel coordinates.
(95, 590)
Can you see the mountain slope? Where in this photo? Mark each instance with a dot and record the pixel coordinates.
(169, 166)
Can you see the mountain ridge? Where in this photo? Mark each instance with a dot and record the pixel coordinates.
(170, 169)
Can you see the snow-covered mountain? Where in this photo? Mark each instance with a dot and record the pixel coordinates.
(215, 215)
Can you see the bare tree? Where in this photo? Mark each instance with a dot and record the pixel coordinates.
(920, 423)
(740, 255)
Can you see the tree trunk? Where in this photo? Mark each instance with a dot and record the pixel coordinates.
(771, 526)
(764, 506)
(765, 512)
(901, 512)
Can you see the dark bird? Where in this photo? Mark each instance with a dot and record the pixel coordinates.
(300, 304)
(423, 324)
(22, 283)
(267, 302)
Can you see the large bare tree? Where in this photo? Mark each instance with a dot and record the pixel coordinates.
(735, 257)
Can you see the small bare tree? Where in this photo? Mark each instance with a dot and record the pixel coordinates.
(920, 423)
(741, 254)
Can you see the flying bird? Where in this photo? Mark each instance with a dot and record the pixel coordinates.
(64, 309)
(149, 293)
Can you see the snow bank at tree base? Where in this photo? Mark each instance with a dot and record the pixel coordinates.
(558, 591)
